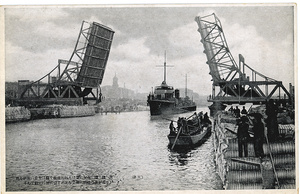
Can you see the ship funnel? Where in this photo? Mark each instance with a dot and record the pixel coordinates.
(177, 94)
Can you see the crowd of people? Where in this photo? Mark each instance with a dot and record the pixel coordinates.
(260, 130)
(187, 125)
(237, 112)
(246, 122)
(243, 135)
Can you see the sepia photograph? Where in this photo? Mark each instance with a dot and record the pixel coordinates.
(149, 97)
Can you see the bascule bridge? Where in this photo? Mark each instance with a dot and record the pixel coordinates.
(73, 81)
(234, 83)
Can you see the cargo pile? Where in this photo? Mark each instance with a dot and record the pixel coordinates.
(16, 114)
(252, 172)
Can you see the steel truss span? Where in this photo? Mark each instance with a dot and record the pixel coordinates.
(74, 79)
(237, 83)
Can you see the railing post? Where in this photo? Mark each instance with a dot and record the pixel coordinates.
(38, 85)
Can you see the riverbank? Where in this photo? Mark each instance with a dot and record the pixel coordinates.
(17, 114)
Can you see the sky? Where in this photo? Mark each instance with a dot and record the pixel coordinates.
(36, 37)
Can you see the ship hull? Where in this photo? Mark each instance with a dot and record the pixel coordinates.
(165, 107)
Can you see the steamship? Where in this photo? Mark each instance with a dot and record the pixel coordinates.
(164, 100)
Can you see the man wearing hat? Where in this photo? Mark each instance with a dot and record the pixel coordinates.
(243, 136)
(258, 130)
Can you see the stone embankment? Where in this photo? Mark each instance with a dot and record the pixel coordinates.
(16, 114)
(76, 111)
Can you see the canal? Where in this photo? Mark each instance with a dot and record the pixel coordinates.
(125, 152)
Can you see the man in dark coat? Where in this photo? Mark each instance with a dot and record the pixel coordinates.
(243, 136)
(258, 130)
(231, 109)
(244, 111)
(172, 128)
(237, 112)
(206, 119)
(272, 124)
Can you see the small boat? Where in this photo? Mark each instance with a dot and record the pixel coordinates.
(189, 132)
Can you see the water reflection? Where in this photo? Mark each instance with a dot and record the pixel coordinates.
(126, 151)
(180, 158)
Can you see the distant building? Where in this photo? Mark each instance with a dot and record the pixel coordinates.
(116, 92)
(115, 82)
(11, 92)
(190, 93)
(200, 100)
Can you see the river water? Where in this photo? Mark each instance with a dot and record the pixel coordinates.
(125, 152)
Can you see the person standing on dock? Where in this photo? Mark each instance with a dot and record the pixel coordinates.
(272, 124)
(243, 136)
(237, 112)
(231, 110)
(244, 111)
(258, 130)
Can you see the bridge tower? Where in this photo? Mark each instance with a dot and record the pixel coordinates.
(234, 83)
(73, 81)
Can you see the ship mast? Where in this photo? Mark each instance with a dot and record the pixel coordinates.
(165, 68)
